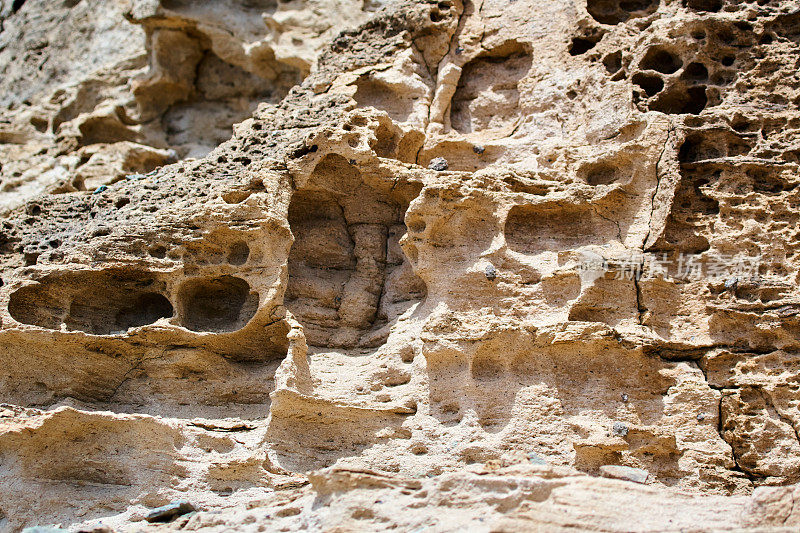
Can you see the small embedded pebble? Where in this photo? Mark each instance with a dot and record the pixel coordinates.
(731, 283)
(438, 163)
(478, 149)
(701, 417)
(619, 429)
(167, 512)
(100, 189)
(624, 397)
(535, 459)
(491, 272)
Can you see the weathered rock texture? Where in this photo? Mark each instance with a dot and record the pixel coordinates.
(494, 265)
(94, 90)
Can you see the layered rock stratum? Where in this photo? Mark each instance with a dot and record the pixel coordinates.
(340, 265)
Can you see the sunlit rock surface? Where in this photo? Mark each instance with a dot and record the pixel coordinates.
(497, 266)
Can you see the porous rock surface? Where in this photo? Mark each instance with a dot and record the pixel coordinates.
(460, 269)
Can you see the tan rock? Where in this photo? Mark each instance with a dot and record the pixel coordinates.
(479, 265)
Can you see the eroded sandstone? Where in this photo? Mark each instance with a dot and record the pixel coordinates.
(310, 326)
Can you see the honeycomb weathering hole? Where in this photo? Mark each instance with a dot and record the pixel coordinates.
(706, 145)
(100, 303)
(695, 71)
(616, 11)
(348, 277)
(652, 85)
(600, 174)
(146, 309)
(219, 304)
(661, 60)
(613, 62)
(581, 45)
(92, 316)
(681, 100)
(487, 96)
(704, 5)
(34, 305)
(535, 228)
(239, 253)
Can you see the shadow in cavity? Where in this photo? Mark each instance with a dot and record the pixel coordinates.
(661, 60)
(695, 209)
(348, 278)
(99, 303)
(219, 304)
(601, 173)
(147, 308)
(617, 11)
(682, 100)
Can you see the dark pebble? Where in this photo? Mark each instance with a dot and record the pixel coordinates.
(438, 164)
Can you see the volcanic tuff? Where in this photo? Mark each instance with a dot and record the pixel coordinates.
(498, 265)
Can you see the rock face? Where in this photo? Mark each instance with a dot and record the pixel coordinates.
(488, 265)
(94, 90)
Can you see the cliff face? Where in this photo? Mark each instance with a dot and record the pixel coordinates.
(496, 265)
(94, 90)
